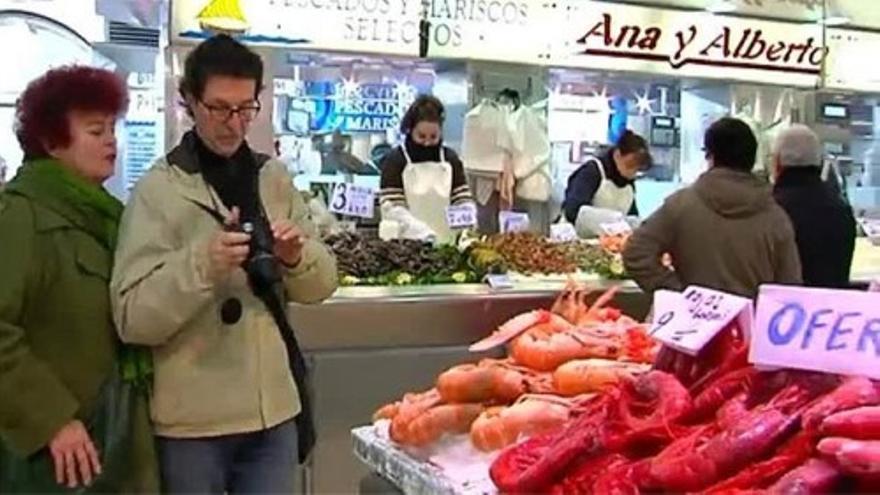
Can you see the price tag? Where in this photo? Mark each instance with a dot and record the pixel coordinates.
(563, 232)
(621, 227)
(512, 221)
(500, 281)
(354, 201)
(833, 331)
(461, 216)
(689, 321)
(871, 226)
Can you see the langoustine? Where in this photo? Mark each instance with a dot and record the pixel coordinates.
(607, 423)
(756, 434)
(490, 381)
(421, 418)
(498, 427)
(585, 376)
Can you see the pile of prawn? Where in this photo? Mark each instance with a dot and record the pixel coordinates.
(734, 430)
(557, 361)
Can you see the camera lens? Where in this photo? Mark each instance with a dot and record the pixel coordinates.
(247, 227)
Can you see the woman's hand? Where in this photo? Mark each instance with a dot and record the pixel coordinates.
(75, 456)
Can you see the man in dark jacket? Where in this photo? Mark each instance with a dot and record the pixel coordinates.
(725, 232)
(824, 225)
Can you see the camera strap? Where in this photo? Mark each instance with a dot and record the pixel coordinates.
(305, 425)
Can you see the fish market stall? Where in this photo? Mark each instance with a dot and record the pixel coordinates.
(741, 399)
(369, 345)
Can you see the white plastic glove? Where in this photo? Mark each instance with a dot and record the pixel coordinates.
(410, 226)
(589, 220)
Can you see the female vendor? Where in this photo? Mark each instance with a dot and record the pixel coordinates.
(421, 178)
(603, 189)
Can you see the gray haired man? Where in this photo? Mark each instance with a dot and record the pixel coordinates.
(824, 225)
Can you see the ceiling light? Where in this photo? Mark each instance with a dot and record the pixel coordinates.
(721, 7)
(835, 20)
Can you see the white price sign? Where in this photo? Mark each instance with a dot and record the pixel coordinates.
(871, 226)
(621, 227)
(833, 331)
(500, 281)
(690, 320)
(354, 201)
(512, 221)
(461, 216)
(563, 232)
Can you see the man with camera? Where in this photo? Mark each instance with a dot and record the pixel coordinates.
(213, 244)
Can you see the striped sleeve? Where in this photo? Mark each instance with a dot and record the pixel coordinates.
(461, 192)
(391, 183)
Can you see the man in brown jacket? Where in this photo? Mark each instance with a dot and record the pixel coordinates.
(725, 232)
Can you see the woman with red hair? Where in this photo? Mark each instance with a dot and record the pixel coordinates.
(74, 411)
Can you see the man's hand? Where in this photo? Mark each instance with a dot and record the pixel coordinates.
(289, 241)
(228, 250)
(75, 456)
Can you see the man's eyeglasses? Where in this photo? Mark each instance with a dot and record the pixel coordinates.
(247, 112)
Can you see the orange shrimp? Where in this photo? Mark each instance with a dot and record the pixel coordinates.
(613, 243)
(519, 324)
(499, 427)
(411, 407)
(545, 351)
(388, 411)
(432, 424)
(592, 375)
(482, 382)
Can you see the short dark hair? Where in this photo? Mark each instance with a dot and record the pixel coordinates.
(42, 110)
(731, 144)
(630, 142)
(220, 55)
(426, 108)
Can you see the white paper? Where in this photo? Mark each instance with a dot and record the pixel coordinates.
(461, 216)
(512, 221)
(621, 227)
(834, 331)
(354, 201)
(690, 320)
(563, 232)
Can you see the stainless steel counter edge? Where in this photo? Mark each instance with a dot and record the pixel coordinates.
(429, 316)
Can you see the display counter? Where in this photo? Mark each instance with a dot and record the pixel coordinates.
(369, 345)
(866, 262)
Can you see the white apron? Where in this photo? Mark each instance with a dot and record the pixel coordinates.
(428, 186)
(611, 197)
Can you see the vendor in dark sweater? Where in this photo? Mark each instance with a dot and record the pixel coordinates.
(422, 177)
(604, 187)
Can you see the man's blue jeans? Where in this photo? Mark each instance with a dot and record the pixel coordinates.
(260, 462)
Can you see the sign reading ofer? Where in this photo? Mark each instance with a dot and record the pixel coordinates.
(835, 331)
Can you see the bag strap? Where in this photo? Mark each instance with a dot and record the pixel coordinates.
(305, 426)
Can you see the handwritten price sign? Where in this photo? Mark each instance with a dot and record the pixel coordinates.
(563, 232)
(353, 201)
(834, 331)
(688, 321)
(511, 221)
(621, 227)
(461, 216)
